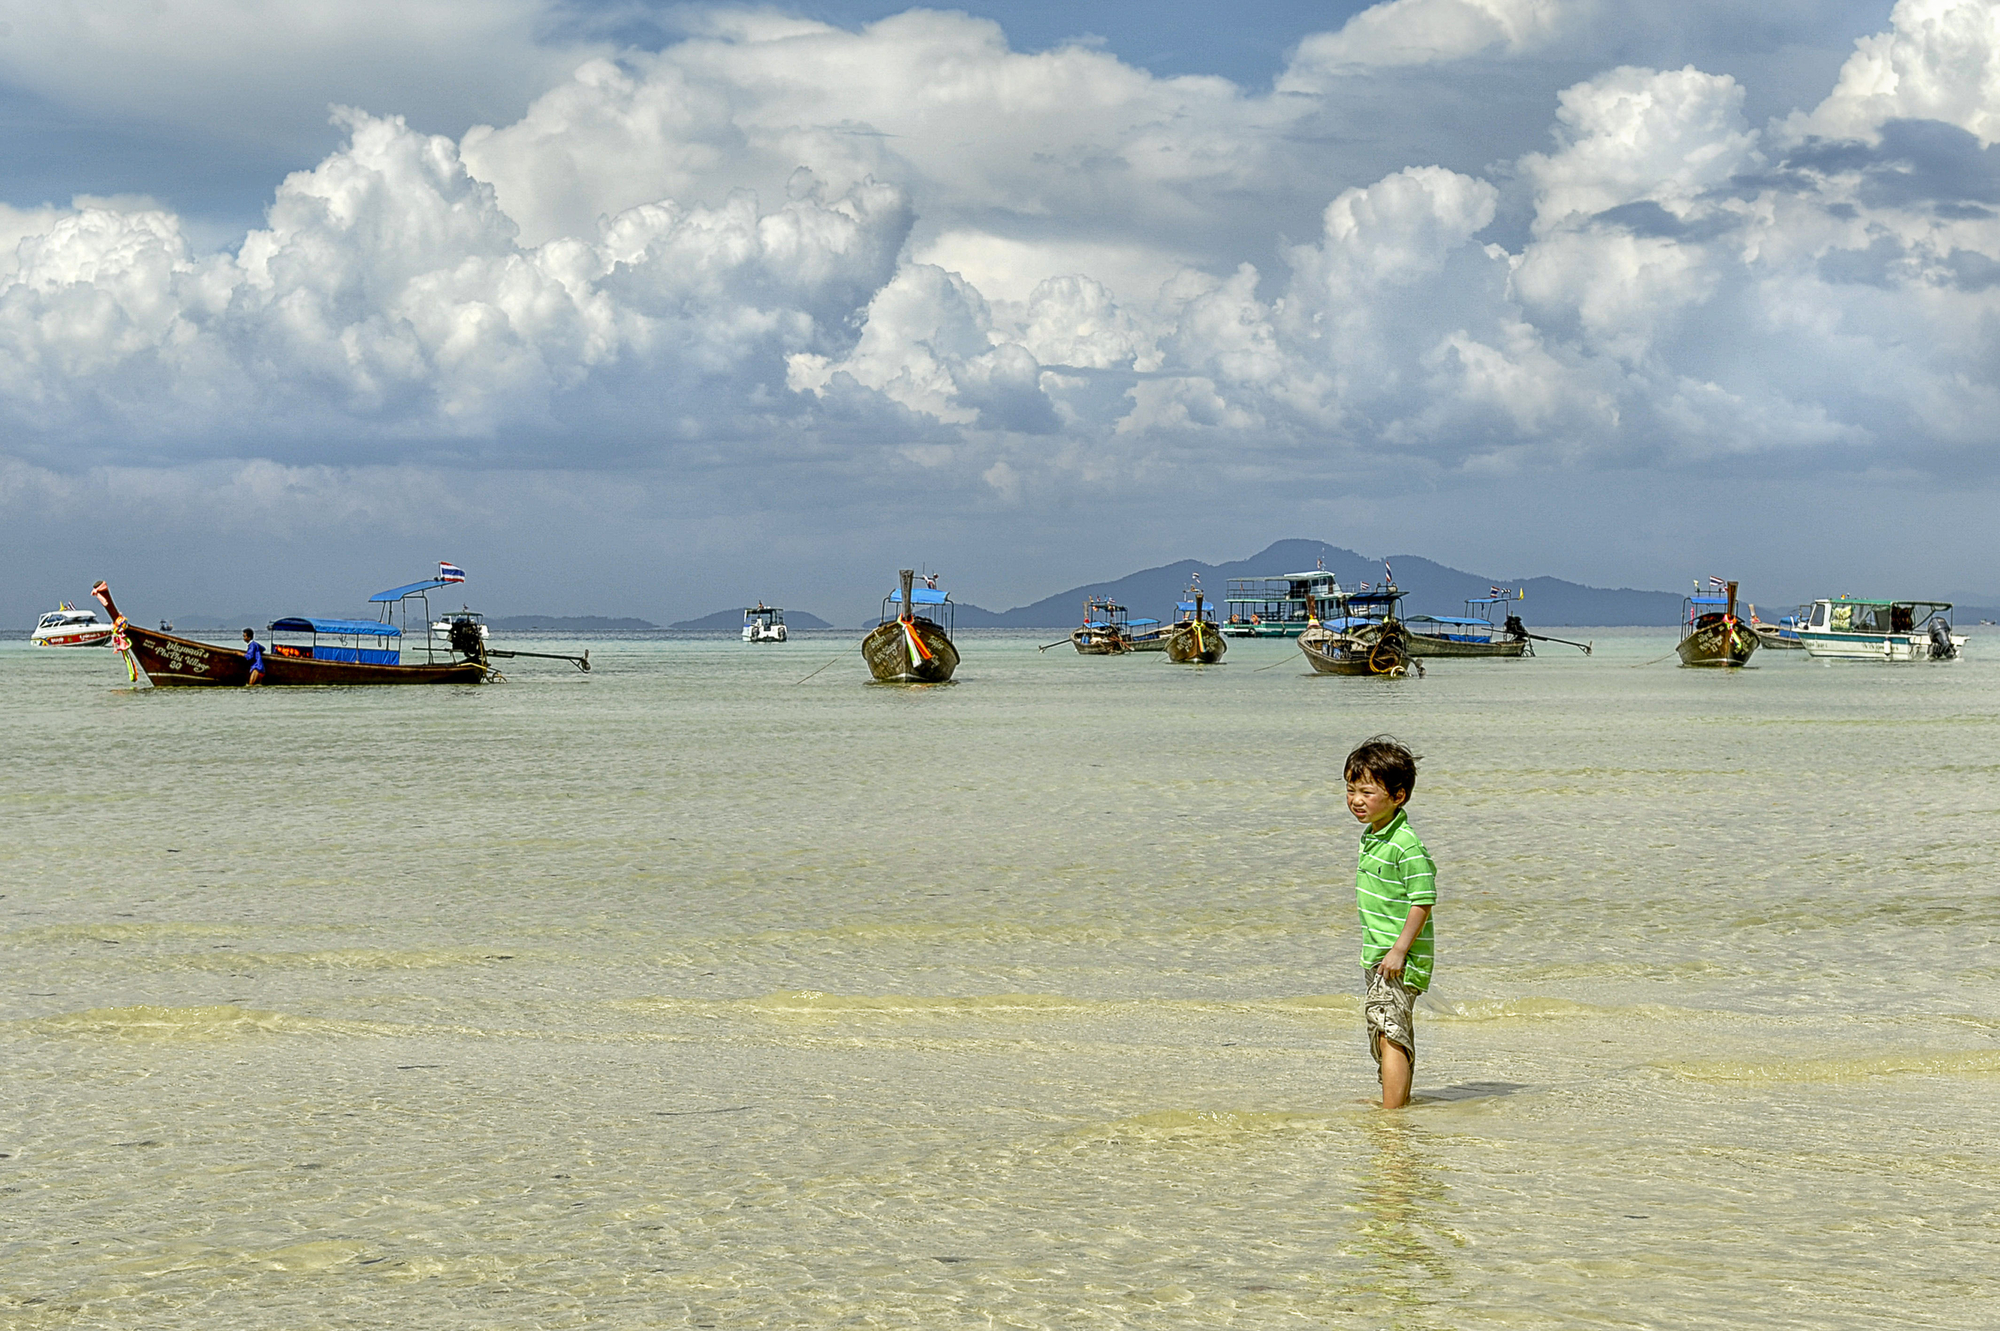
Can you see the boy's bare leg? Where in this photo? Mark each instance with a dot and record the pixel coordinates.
(1396, 1075)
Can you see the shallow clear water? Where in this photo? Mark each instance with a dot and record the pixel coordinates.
(685, 994)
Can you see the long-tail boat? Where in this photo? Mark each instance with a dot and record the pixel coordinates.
(1104, 631)
(1195, 639)
(1471, 634)
(912, 648)
(1711, 634)
(335, 651)
(1351, 646)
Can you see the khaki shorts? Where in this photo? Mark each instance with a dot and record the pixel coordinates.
(1389, 1008)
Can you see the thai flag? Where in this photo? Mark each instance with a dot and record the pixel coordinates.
(1388, 575)
(450, 572)
(1716, 582)
(1364, 586)
(1493, 592)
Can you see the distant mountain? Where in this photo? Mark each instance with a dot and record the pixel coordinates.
(1434, 589)
(723, 621)
(570, 624)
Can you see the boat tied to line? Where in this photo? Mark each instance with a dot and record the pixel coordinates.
(1195, 638)
(323, 650)
(1363, 635)
(911, 648)
(1711, 634)
(1846, 629)
(1782, 636)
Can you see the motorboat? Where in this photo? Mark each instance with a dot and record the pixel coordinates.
(763, 623)
(446, 626)
(1846, 629)
(1278, 605)
(1105, 630)
(1782, 636)
(1195, 638)
(68, 626)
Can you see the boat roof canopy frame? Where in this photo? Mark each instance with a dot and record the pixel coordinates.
(920, 596)
(410, 589)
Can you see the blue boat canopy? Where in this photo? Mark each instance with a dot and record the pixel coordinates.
(1708, 600)
(1135, 623)
(1453, 619)
(398, 593)
(316, 624)
(918, 596)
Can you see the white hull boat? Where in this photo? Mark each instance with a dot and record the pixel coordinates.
(1851, 630)
(71, 627)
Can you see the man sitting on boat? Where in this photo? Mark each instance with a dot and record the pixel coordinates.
(253, 652)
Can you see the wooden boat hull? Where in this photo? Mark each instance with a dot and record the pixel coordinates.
(1773, 640)
(1098, 642)
(1195, 644)
(1724, 645)
(1424, 644)
(1154, 642)
(173, 662)
(1384, 654)
(893, 659)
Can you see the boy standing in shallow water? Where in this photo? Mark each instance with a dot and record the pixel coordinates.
(1395, 889)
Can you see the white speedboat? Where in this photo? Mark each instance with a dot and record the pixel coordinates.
(1845, 629)
(763, 623)
(71, 627)
(441, 629)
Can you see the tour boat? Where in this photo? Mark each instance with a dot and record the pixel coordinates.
(1711, 634)
(1104, 631)
(1471, 634)
(1845, 629)
(1277, 606)
(1195, 639)
(911, 648)
(763, 623)
(71, 627)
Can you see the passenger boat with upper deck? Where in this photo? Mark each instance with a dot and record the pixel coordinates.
(1276, 606)
(911, 648)
(67, 626)
(1846, 629)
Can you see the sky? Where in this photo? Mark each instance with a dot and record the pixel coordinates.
(646, 309)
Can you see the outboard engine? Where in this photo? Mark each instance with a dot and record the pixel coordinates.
(1942, 647)
(465, 640)
(1514, 628)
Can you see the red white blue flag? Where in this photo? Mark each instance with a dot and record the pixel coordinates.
(1364, 586)
(1717, 583)
(1388, 575)
(450, 572)
(1493, 592)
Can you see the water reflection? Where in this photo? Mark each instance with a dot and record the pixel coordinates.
(1402, 1235)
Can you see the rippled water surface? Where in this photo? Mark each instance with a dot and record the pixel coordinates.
(685, 994)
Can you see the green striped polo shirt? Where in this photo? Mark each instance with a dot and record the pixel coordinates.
(1395, 873)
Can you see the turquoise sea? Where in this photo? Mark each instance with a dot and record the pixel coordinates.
(685, 994)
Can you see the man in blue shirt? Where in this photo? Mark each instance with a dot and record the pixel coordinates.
(253, 652)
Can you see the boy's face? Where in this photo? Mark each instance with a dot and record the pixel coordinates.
(1372, 803)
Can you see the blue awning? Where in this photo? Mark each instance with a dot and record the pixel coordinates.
(1136, 623)
(1453, 619)
(919, 596)
(315, 624)
(1708, 600)
(398, 593)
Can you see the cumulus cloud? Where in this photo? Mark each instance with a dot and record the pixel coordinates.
(1939, 60)
(909, 243)
(1424, 32)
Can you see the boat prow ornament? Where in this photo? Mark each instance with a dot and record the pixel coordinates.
(911, 648)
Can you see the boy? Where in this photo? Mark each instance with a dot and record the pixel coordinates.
(1395, 888)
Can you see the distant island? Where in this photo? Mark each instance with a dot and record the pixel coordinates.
(728, 621)
(570, 624)
(1433, 589)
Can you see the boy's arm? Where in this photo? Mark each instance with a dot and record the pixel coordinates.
(1392, 964)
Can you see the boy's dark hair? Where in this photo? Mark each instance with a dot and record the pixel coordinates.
(1388, 760)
